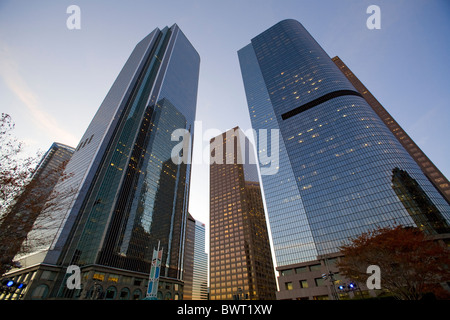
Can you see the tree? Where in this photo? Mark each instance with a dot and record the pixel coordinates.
(28, 197)
(411, 264)
(15, 169)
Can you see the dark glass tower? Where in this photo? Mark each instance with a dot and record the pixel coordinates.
(425, 214)
(132, 189)
(336, 155)
(139, 195)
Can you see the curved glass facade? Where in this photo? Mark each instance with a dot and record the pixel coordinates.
(337, 152)
(285, 209)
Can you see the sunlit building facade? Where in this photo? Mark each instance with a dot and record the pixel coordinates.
(241, 265)
(336, 155)
(132, 191)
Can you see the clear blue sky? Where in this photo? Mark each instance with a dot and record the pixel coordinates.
(52, 79)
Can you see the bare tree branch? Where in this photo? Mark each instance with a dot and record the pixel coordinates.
(27, 197)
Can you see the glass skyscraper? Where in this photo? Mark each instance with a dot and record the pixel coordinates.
(337, 157)
(429, 169)
(196, 262)
(132, 192)
(200, 272)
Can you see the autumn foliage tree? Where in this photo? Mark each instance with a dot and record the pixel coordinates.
(411, 264)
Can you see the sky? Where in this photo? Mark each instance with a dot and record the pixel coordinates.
(53, 79)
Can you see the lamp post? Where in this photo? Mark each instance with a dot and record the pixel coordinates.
(330, 277)
(9, 286)
(352, 286)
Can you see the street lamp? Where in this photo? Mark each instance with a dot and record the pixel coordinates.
(330, 276)
(348, 287)
(9, 286)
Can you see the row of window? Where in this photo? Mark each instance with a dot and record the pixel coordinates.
(83, 143)
(303, 284)
(97, 293)
(300, 270)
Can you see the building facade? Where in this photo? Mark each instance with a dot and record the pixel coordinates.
(429, 169)
(196, 262)
(306, 281)
(336, 155)
(241, 265)
(131, 191)
(26, 212)
(189, 258)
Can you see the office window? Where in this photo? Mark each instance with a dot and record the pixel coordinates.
(301, 270)
(287, 272)
(113, 278)
(288, 286)
(319, 282)
(316, 267)
(99, 276)
(303, 284)
(48, 275)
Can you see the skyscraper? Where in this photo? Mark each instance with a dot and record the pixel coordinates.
(429, 169)
(241, 264)
(132, 192)
(196, 262)
(200, 270)
(336, 155)
(422, 210)
(19, 221)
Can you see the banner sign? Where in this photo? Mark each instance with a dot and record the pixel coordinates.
(153, 280)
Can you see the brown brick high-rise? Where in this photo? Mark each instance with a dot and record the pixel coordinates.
(241, 264)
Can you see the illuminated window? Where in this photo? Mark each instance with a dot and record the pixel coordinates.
(113, 278)
(288, 286)
(303, 284)
(99, 276)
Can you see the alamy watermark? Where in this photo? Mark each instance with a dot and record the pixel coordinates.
(74, 280)
(374, 21)
(73, 22)
(374, 280)
(267, 142)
